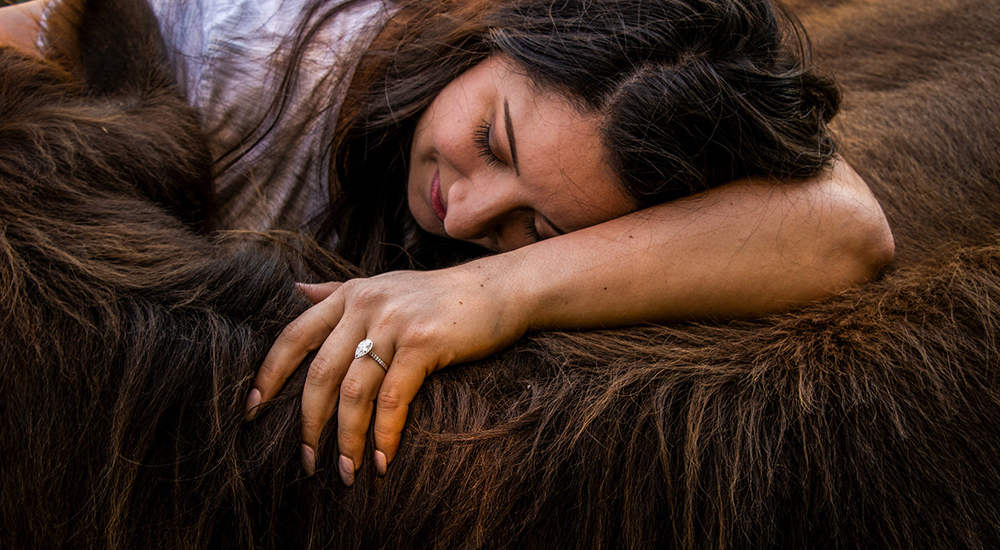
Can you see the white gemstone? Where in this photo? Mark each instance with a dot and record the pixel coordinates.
(363, 348)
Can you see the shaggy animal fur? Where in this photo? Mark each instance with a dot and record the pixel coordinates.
(129, 343)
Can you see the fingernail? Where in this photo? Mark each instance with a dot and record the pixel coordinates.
(380, 463)
(308, 459)
(346, 470)
(252, 401)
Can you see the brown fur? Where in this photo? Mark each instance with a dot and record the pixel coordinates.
(868, 420)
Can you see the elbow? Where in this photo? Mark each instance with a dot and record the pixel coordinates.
(864, 245)
(866, 248)
(875, 252)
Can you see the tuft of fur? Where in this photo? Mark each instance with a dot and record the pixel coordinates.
(127, 339)
(129, 342)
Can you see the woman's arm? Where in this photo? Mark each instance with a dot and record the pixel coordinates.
(19, 25)
(743, 249)
(740, 250)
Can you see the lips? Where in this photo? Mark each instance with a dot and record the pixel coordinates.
(436, 202)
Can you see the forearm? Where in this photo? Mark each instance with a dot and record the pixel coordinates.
(739, 250)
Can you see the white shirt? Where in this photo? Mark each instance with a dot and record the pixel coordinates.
(228, 56)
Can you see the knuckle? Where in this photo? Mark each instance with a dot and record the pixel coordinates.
(268, 370)
(345, 289)
(390, 399)
(312, 425)
(384, 435)
(364, 295)
(350, 440)
(419, 337)
(391, 315)
(296, 334)
(321, 372)
(352, 391)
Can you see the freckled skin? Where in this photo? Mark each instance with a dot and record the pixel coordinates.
(558, 176)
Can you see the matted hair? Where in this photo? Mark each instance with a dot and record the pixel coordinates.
(128, 345)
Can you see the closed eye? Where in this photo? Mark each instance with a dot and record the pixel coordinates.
(481, 137)
(531, 229)
(519, 231)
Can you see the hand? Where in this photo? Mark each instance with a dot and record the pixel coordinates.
(419, 322)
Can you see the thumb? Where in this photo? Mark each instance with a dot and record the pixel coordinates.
(318, 292)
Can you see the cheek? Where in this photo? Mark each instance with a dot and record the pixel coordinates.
(412, 192)
(415, 163)
(447, 136)
(421, 138)
(417, 194)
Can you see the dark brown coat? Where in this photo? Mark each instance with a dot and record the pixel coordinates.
(128, 343)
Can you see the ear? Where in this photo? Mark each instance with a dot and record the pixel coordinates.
(113, 46)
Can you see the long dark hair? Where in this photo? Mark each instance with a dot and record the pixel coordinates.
(693, 93)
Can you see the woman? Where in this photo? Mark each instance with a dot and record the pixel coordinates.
(627, 162)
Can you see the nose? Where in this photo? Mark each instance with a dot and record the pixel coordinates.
(479, 208)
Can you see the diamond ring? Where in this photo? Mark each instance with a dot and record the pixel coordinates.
(365, 348)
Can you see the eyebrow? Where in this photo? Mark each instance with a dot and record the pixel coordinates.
(513, 157)
(510, 137)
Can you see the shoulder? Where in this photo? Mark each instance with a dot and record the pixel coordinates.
(257, 20)
(213, 34)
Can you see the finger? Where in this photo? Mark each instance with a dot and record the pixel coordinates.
(398, 390)
(322, 388)
(357, 397)
(319, 292)
(304, 334)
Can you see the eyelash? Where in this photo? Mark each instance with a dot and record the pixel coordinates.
(482, 138)
(531, 229)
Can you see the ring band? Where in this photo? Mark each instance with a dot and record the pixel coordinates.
(365, 348)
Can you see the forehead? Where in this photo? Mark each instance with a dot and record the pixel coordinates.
(561, 156)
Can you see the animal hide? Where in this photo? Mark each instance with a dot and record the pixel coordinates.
(129, 343)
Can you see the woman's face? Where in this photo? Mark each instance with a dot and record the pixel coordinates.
(498, 163)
